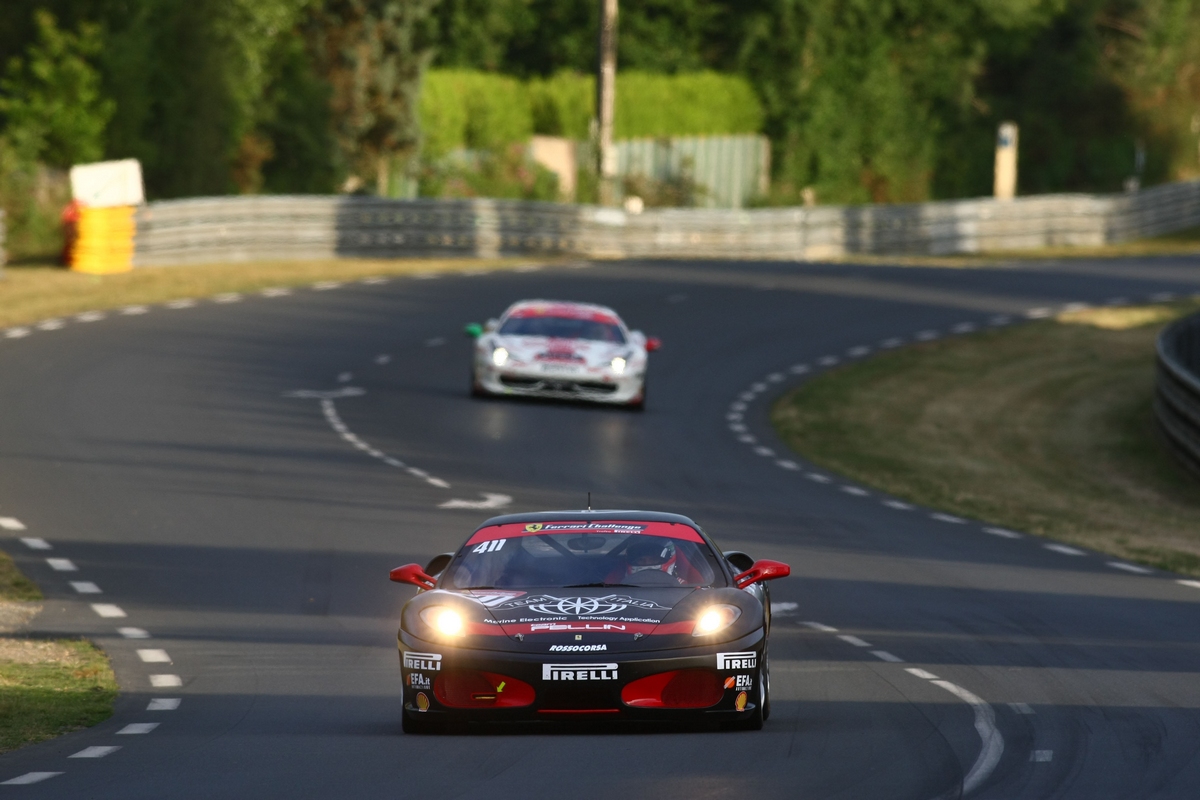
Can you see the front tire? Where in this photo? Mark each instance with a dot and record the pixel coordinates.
(477, 389)
(638, 403)
(762, 708)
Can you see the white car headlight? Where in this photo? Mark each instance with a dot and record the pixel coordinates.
(715, 618)
(618, 365)
(499, 356)
(444, 620)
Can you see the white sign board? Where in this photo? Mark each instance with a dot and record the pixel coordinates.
(108, 183)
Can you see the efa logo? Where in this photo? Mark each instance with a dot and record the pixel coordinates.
(418, 681)
(579, 672)
(426, 662)
(739, 682)
(737, 660)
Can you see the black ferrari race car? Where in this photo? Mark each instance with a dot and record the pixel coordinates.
(587, 614)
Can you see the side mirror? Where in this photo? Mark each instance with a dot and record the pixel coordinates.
(763, 570)
(740, 560)
(438, 563)
(653, 343)
(412, 573)
(491, 325)
(473, 329)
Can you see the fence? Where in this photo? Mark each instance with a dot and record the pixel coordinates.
(730, 171)
(1177, 389)
(245, 228)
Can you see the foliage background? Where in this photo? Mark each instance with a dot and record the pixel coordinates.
(864, 100)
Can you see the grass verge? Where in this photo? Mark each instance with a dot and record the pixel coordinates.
(31, 293)
(47, 688)
(1046, 427)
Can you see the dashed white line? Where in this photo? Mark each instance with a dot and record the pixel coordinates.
(35, 543)
(738, 427)
(1039, 313)
(964, 327)
(854, 490)
(275, 291)
(817, 626)
(1130, 568)
(50, 325)
(89, 316)
(734, 417)
(85, 587)
(784, 608)
(766, 452)
(11, 524)
(95, 752)
(798, 369)
(854, 640)
(345, 377)
(889, 344)
(940, 517)
(884, 655)
(1074, 307)
(1003, 533)
(1041, 756)
(775, 377)
(828, 361)
(108, 610)
(382, 358)
(858, 352)
(920, 673)
(746, 397)
(738, 406)
(325, 286)
(163, 704)
(896, 504)
(134, 633)
(436, 341)
(818, 477)
(133, 311)
(1062, 548)
(135, 728)
(1003, 319)
(17, 333)
(154, 655)
(28, 778)
(376, 281)
(228, 297)
(1193, 584)
(758, 387)
(989, 735)
(787, 464)
(165, 681)
(746, 438)
(927, 336)
(184, 303)
(1162, 297)
(62, 565)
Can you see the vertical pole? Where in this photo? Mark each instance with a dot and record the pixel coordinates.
(606, 85)
(1005, 185)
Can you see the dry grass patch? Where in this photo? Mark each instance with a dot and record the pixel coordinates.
(1046, 428)
(32, 293)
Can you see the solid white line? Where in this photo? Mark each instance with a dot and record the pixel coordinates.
(85, 587)
(920, 673)
(1062, 548)
(165, 681)
(108, 610)
(134, 633)
(154, 656)
(1041, 756)
(854, 640)
(1130, 568)
(137, 727)
(1007, 534)
(854, 490)
(35, 543)
(62, 565)
(896, 504)
(787, 464)
(989, 736)
(817, 626)
(163, 704)
(1193, 584)
(11, 524)
(95, 752)
(1022, 708)
(818, 477)
(947, 518)
(28, 778)
(884, 655)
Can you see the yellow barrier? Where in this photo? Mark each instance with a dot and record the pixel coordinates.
(104, 243)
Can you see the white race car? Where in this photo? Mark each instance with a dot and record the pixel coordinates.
(571, 351)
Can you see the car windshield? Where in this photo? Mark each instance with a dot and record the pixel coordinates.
(520, 559)
(563, 328)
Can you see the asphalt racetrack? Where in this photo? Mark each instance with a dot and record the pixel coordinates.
(236, 479)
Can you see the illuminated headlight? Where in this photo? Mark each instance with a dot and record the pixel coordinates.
(715, 618)
(499, 356)
(618, 365)
(445, 621)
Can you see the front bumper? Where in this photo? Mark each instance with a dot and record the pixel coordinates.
(581, 383)
(595, 685)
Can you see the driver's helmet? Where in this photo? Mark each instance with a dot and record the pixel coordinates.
(650, 553)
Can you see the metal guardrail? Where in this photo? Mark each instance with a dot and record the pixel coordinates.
(264, 227)
(1177, 389)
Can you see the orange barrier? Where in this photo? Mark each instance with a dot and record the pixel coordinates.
(103, 243)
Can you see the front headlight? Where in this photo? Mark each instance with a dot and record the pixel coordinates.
(499, 356)
(444, 620)
(618, 365)
(715, 618)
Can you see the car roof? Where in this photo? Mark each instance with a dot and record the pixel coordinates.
(595, 515)
(563, 308)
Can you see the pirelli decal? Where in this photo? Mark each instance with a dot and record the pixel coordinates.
(426, 662)
(579, 672)
(737, 660)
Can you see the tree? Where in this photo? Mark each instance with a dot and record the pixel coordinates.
(51, 101)
(373, 53)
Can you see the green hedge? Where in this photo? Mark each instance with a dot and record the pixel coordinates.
(481, 110)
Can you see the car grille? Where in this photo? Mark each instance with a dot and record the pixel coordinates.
(558, 386)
